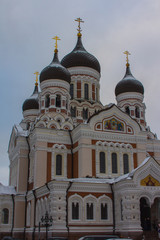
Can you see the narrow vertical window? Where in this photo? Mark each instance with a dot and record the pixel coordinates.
(85, 114)
(97, 94)
(73, 111)
(104, 211)
(89, 211)
(86, 91)
(125, 163)
(58, 101)
(75, 210)
(47, 101)
(137, 112)
(127, 110)
(121, 206)
(5, 216)
(59, 164)
(114, 163)
(102, 162)
(72, 91)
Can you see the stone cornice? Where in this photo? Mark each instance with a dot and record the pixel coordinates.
(55, 83)
(84, 71)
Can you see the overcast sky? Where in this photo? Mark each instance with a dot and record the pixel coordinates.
(110, 27)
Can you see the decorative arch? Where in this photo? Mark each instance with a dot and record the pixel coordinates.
(76, 208)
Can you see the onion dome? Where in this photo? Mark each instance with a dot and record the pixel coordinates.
(32, 102)
(129, 83)
(55, 70)
(80, 57)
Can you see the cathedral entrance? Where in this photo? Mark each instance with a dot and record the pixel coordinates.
(145, 214)
(155, 214)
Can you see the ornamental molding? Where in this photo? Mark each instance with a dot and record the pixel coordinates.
(108, 136)
(91, 188)
(55, 83)
(130, 95)
(31, 112)
(84, 71)
(50, 138)
(88, 104)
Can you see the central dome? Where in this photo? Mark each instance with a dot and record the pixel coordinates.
(80, 57)
(55, 71)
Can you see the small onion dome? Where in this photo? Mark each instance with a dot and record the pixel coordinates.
(129, 83)
(55, 71)
(80, 57)
(32, 102)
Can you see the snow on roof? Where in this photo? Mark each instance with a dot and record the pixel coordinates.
(20, 131)
(107, 180)
(7, 190)
(130, 175)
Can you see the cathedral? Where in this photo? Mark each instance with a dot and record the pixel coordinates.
(78, 167)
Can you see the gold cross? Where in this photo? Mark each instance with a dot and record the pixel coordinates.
(56, 38)
(79, 20)
(37, 74)
(127, 53)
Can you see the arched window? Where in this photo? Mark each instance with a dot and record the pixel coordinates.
(89, 211)
(137, 112)
(85, 114)
(29, 214)
(72, 91)
(102, 162)
(121, 208)
(86, 91)
(104, 211)
(75, 210)
(97, 94)
(125, 163)
(114, 163)
(5, 216)
(59, 164)
(127, 110)
(58, 100)
(47, 101)
(73, 111)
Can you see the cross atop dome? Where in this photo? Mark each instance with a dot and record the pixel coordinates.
(79, 20)
(56, 38)
(127, 60)
(37, 74)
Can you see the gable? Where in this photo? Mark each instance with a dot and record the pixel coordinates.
(114, 120)
(147, 174)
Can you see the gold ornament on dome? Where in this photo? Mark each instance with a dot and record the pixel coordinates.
(37, 74)
(150, 181)
(79, 20)
(56, 38)
(127, 60)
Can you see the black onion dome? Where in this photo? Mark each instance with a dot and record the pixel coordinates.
(55, 71)
(129, 84)
(80, 57)
(32, 102)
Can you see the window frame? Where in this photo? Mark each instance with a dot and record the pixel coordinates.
(102, 162)
(114, 163)
(5, 216)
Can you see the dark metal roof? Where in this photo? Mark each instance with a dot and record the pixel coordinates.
(80, 57)
(129, 84)
(32, 102)
(55, 71)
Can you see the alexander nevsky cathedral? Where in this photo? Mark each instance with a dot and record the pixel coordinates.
(84, 167)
